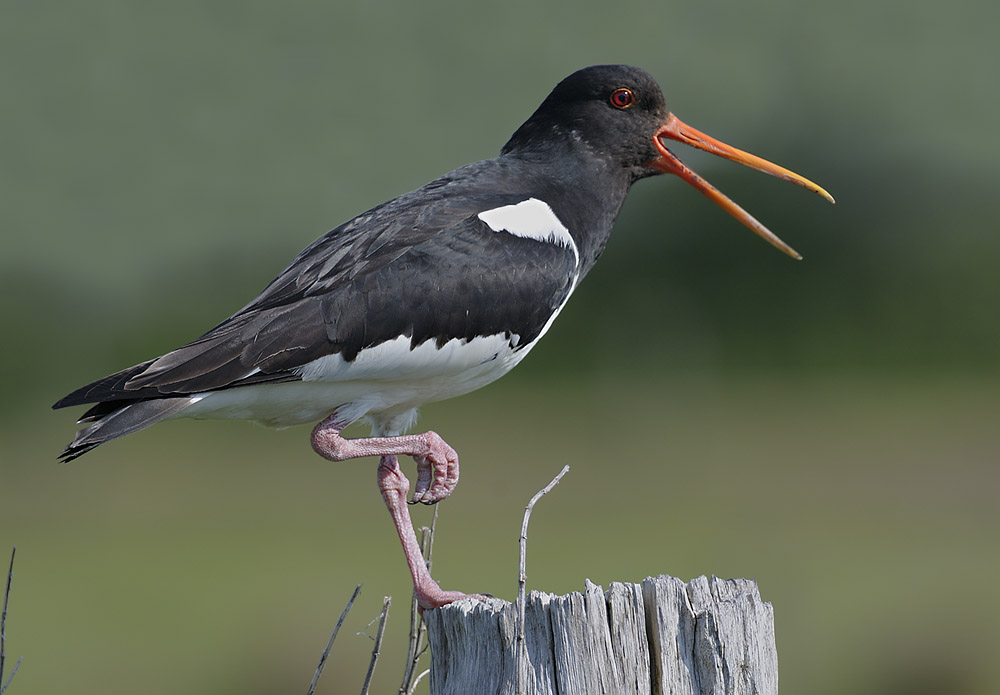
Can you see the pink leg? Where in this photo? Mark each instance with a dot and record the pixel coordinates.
(437, 469)
(394, 486)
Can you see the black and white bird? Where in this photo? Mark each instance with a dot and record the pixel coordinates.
(428, 296)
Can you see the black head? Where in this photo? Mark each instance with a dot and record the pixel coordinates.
(614, 110)
(617, 115)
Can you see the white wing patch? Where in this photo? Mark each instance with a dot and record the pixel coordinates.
(531, 219)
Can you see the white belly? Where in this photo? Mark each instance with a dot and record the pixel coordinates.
(387, 379)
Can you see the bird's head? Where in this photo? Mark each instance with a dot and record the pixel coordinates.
(618, 112)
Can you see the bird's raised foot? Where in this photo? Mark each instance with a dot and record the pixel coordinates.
(437, 462)
(437, 470)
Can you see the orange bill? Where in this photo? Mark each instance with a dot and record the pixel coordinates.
(668, 163)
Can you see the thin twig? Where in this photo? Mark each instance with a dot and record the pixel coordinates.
(416, 621)
(429, 551)
(417, 682)
(3, 618)
(418, 629)
(378, 644)
(3, 627)
(16, 666)
(333, 636)
(522, 647)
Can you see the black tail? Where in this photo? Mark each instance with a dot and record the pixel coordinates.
(110, 388)
(123, 403)
(111, 420)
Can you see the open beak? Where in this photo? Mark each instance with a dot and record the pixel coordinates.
(668, 163)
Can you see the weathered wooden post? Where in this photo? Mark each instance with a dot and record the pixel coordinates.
(661, 637)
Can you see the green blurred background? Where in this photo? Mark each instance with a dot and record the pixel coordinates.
(828, 427)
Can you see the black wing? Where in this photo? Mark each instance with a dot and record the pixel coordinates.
(422, 265)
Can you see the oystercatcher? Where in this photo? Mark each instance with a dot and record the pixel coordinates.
(428, 296)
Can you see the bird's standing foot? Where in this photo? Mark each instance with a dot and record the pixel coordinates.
(433, 596)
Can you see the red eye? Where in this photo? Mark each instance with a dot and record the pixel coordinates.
(622, 98)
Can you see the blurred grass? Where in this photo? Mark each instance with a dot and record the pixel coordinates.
(827, 427)
(216, 555)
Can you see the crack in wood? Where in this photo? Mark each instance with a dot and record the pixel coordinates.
(710, 636)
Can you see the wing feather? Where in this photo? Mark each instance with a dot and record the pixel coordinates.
(422, 265)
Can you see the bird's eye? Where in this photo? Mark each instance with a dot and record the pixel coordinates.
(622, 98)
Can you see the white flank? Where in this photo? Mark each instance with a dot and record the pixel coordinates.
(531, 219)
(388, 378)
(394, 360)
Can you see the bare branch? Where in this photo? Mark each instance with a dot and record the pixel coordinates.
(333, 636)
(378, 644)
(16, 666)
(522, 649)
(417, 682)
(429, 550)
(3, 627)
(418, 629)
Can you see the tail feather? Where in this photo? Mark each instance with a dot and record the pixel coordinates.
(127, 419)
(110, 388)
